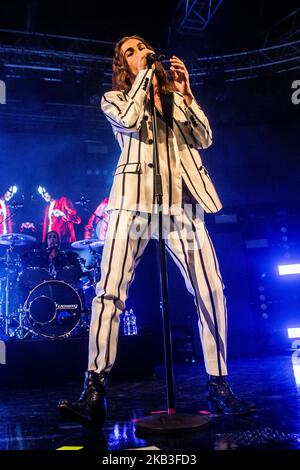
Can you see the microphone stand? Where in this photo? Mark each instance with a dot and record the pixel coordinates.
(172, 421)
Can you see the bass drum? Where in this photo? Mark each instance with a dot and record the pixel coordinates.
(53, 309)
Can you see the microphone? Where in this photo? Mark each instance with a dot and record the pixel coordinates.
(154, 57)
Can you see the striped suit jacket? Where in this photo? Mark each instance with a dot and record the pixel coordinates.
(133, 184)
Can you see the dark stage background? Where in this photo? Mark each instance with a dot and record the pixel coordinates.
(53, 134)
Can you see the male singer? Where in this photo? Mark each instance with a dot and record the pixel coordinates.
(183, 129)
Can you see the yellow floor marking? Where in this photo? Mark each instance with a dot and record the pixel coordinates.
(70, 448)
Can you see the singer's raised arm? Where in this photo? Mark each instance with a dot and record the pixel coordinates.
(125, 111)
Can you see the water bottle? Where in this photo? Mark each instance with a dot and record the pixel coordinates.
(126, 323)
(133, 327)
(129, 323)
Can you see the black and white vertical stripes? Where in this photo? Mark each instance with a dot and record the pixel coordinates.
(191, 248)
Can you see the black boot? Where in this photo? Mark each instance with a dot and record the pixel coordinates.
(221, 398)
(90, 409)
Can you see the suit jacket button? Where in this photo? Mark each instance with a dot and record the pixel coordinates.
(150, 141)
(145, 118)
(185, 123)
(191, 146)
(150, 165)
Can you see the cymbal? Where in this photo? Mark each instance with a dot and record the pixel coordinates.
(97, 244)
(83, 244)
(16, 239)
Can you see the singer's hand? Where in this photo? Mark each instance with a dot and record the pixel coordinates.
(58, 213)
(141, 60)
(181, 79)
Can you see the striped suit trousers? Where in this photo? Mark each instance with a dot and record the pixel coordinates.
(191, 248)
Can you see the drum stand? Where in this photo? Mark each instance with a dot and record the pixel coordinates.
(6, 311)
(12, 319)
(20, 331)
(96, 257)
(9, 263)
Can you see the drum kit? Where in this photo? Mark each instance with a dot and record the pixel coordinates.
(42, 299)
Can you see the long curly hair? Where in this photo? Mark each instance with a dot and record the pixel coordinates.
(121, 79)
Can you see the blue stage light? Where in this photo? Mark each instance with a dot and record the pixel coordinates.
(294, 332)
(285, 269)
(34, 67)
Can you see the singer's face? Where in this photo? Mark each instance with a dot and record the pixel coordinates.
(135, 53)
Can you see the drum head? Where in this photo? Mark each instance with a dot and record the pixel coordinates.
(32, 276)
(34, 268)
(53, 309)
(69, 268)
(42, 310)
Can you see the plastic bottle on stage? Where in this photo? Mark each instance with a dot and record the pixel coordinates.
(129, 321)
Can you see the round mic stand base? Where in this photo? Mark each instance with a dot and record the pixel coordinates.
(168, 424)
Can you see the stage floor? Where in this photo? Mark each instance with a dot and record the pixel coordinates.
(29, 419)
